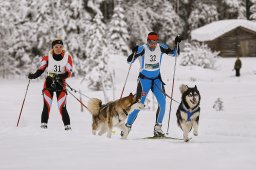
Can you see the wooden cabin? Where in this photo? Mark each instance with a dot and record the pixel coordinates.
(231, 37)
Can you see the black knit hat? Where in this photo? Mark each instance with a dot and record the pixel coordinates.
(57, 41)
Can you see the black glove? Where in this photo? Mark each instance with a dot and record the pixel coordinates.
(31, 76)
(135, 49)
(177, 39)
(129, 59)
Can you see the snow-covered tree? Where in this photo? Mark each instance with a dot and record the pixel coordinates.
(202, 14)
(97, 60)
(118, 33)
(14, 36)
(140, 21)
(218, 105)
(99, 77)
(157, 15)
(233, 9)
(168, 22)
(76, 23)
(253, 10)
(199, 55)
(39, 22)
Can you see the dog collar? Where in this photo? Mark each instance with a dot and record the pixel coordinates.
(185, 109)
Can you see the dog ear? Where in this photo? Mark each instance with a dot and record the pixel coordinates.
(183, 88)
(195, 87)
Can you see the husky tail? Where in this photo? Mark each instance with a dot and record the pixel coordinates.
(94, 105)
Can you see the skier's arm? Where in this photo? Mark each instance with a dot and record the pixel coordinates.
(165, 49)
(41, 69)
(137, 51)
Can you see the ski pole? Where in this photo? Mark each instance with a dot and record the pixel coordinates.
(23, 103)
(73, 95)
(72, 89)
(127, 75)
(172, 87)
(78, 100)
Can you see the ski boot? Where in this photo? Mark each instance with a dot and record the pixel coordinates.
(67, 127)
(126, 131)
(43, 125)
(158, 131)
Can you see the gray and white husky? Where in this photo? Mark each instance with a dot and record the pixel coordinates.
(189, 110)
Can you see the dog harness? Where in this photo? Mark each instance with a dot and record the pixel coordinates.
(186, 110)
(152, 79)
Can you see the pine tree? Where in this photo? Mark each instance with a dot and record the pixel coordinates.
(97, 60)
(15, 39)
(47, 20)
(118, 33)
(4, 33)
(140, 21)
(99, 77)
(169, 23)
(157, 15)
(253, 10)
(202, 14)
(76, 23)
(232, 9)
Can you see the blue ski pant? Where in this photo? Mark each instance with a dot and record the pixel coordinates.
(156, 86)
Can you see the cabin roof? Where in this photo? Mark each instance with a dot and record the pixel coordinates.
(216, 29)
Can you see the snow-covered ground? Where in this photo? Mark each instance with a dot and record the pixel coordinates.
(226, 141)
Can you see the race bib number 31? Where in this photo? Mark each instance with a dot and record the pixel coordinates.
(57, 68)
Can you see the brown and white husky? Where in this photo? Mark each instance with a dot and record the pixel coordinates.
(112, 114)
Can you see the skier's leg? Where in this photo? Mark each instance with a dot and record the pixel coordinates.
(161, 99)
(142, 91)
(47, 95)
(61, 98)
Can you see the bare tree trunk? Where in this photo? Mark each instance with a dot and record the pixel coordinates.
(113, 84)
(248, 4)
(104, 90)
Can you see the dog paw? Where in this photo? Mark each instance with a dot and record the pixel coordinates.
(109, 135)
(195, 133)
(186, 140)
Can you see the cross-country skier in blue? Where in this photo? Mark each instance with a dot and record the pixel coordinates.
(150, 57)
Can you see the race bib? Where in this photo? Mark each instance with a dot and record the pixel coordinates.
(152, 59)
(57, 67)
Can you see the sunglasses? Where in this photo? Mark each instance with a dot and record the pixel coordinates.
(153, 42)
